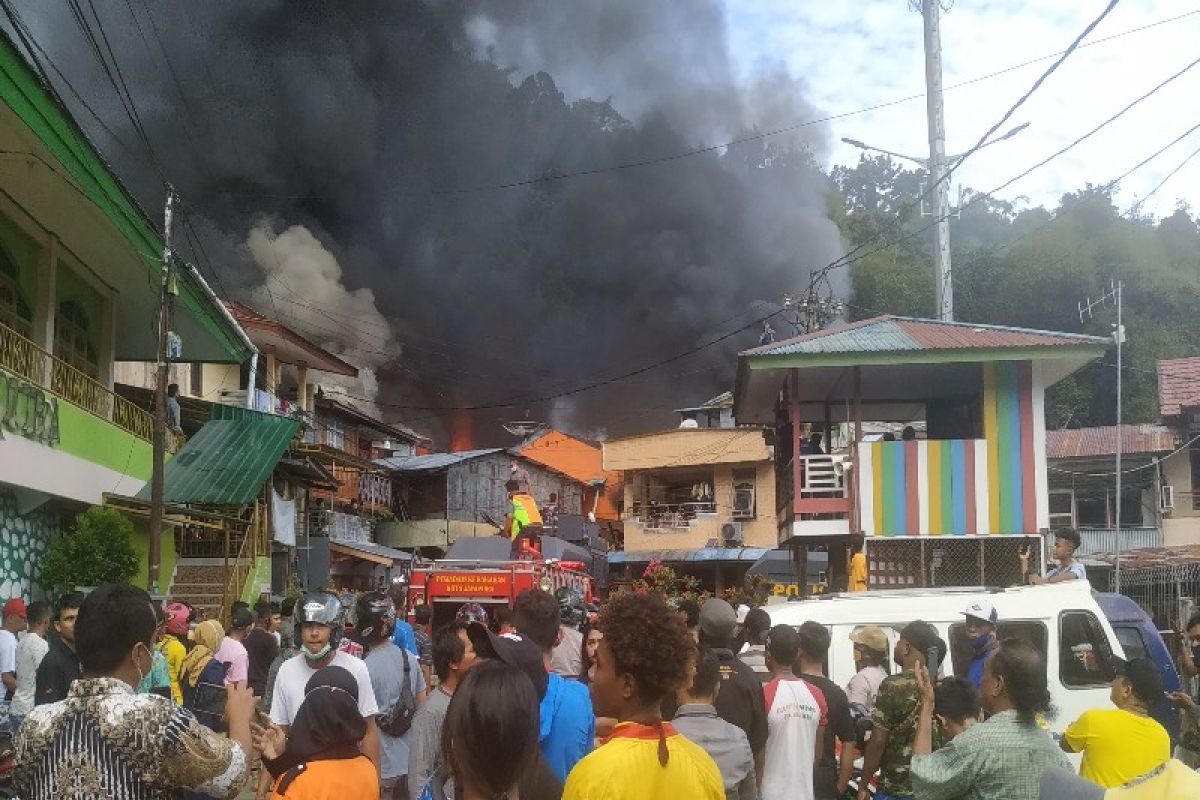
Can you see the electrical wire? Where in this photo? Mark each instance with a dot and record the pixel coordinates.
(1151, 465)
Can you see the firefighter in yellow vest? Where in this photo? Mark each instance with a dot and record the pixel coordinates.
(524, 520)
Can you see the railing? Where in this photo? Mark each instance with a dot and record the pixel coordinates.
(340, 526)
(24, 358)
(671, 516)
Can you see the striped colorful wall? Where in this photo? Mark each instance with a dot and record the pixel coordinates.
(963, 486)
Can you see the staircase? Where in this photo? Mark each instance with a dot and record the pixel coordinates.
(201, 582)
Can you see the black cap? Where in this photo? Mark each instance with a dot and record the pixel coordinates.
(1143, 675)
(924, 637)
(513, 649)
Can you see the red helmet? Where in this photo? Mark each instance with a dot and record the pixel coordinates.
(178, 616)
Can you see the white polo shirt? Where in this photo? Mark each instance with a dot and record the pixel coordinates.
(293, 677)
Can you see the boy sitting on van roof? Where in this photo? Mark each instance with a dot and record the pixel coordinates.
(1066, 542)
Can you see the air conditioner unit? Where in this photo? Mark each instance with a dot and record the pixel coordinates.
(1167, 501)
(731, 533)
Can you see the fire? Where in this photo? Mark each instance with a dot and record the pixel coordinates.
(461, 434)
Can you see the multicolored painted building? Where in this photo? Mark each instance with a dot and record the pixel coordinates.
(969, 465)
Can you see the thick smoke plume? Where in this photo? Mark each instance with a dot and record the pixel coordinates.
(383, 129)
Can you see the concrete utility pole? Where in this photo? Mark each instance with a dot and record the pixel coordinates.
(944, 286)
(166, 296)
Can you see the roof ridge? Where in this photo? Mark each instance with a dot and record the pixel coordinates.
(995, 327)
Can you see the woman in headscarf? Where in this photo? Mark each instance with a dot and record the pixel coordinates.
(319, 758)
(202, 676)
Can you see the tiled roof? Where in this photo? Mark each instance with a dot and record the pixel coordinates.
(889, 334)
(1102, 441)
(1178, 385)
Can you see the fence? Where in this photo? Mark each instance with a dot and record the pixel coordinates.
(1104, 540)
(910, 561)
(1169, 593)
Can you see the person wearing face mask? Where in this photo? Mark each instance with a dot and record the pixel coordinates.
(981, 619)
(106, 741)
(1190, 649)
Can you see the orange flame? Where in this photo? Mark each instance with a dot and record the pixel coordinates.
(461, 433)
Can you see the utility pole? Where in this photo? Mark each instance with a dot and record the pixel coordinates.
(935, 110)
(165, 301)
(1114, 294)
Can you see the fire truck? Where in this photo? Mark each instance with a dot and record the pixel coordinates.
(447, 584)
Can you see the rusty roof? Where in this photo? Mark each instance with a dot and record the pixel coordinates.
(272, 336)
(1178, 385)
(899, 334)
(1102, 441)
(1149, 557)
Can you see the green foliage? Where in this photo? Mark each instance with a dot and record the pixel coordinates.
(1031, 268)
(96, 550)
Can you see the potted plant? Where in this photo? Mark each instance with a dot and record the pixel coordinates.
(97, 549)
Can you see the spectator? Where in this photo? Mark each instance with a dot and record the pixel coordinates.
(422, 615)
(754, 653)
(320, 629)
(591, 641)
(955, 706)
(319, 756)
(828, 782)
(814, 444)
(490, 733)
(797, 718)
(501, 619)
(202, 676)
(1003, 758)
(14, 622)
(643, 656)
(568, 726)
(403, 636)
(890, 748)
(980, 624)
(1066, 542)
(60, 668)
(261, 647)
(158, 679)
(690, 611)
(126, 745)
(285, 630)
(740, 700)
(1123, 743)
(174, 413)
(858, 566)
(870, 658)
(567, 659)
(399, 687)
(31, 649)
(233, 651)
(909, 434)
(173, 644)
(453, 655)
(725, 742)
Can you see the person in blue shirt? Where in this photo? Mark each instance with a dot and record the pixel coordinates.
(980, 624)
(403, 637)
(568, 725)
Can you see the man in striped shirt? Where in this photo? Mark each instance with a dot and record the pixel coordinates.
(796, 718)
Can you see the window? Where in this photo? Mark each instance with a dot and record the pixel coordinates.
(1061, 511)
(1083, 651)
(743, 494)
(197, 380)
(15, 311)
(1132, 642)
(1031, 631)
(73, 339)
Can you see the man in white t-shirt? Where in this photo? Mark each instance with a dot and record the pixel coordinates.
(796, 719)
(31, 649)
(318, 631)
(14, 615)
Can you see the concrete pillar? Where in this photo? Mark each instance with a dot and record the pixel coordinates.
(44, 303)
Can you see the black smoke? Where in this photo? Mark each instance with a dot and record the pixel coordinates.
(384, 127)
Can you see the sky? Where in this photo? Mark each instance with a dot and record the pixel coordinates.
(853, 55)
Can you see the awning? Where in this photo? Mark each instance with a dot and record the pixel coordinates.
(369, 551)
(228, 460)
(710, 554)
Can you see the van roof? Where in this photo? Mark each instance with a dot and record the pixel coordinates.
(934, 605)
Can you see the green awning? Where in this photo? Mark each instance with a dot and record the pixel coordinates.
(228, 460)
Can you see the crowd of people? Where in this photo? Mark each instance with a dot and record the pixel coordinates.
(649, 699)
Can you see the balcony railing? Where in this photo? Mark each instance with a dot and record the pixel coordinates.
(671, 516)
(339, 526)
(25, 359)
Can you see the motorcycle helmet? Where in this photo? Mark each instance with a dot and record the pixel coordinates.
(570, 606)
(375, 616)
(323, 608)
(472, 612)
(178, 615)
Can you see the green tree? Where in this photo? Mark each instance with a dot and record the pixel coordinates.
(96, 550)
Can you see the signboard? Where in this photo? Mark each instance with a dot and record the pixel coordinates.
(28, 410)
(467, 584)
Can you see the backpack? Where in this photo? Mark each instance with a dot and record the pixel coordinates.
(206, 700)
(398, 719)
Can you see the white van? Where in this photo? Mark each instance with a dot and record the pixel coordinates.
(1063, 620)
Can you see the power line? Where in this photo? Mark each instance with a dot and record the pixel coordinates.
(1168, 177)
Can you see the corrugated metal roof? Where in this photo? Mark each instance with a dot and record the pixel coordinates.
(1102, 441)
(703, 554)
(374, 549)
(433, 461)
(1178, 385)
(228, 460)
(890, 334)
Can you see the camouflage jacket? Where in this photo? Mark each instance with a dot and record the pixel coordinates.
(896, 709)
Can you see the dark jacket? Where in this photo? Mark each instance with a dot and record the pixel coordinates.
(741, 700)
(55, 674)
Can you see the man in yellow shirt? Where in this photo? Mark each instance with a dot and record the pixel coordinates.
(645, 655)
(1124, 743)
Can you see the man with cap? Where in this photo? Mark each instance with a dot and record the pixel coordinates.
(740, 699)
(14, 623)
(981, 635)
(1124, 743)
(870, 658)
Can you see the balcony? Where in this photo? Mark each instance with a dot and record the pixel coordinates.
(24, 359)
(340, 527)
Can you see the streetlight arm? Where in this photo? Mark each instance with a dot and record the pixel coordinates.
(924, 162)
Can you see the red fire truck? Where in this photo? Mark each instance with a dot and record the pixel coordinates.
(448, 584)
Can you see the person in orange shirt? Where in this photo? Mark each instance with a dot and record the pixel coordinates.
(319, 757)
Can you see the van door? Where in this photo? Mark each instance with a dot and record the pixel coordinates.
(1133, 641)
(1081, 676)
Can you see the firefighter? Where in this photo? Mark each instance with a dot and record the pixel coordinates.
(524, 521)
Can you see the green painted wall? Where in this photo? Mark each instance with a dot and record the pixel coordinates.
(92, 439)
(141, 543)
(258, 577)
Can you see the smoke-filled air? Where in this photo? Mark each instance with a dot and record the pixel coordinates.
(386, 177)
